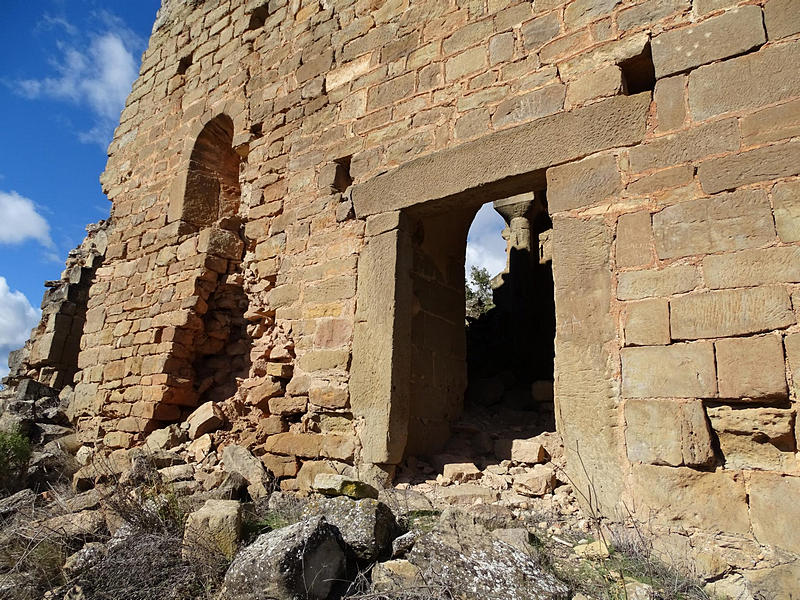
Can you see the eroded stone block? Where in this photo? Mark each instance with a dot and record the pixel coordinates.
(786, 203)
(634, 240)
(719, 37)
(725, 222)
(582, 183)
(676, 371)
(647, 323)
(727, 313)
(751, 367)
(752, 267)
(774, 509)
(675, 279)
(754, 438)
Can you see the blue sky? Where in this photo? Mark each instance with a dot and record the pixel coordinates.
(66, 67)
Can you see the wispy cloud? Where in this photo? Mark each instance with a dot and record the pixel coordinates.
(20, 221)
(17, 318)
(485, 246)
(95, 72)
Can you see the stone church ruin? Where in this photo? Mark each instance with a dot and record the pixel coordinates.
(292, 183)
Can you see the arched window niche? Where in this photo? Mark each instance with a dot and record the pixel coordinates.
(208, 189)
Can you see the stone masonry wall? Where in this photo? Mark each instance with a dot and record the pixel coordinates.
(676, 222)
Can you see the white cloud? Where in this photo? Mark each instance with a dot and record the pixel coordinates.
(20, 221)
(98, 76)
(17, 318)
(485, 246)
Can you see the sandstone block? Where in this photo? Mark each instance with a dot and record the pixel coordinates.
(207, 418)
(758, 79)
(329, 397)
(668, 432)
(762, 164)
(649, 12)
(237, 459)
(540, 480)
(220, 242)
(732, 221)
(786, 203)
(647, 323)
(465, 63)
(598, 84)
(685, 146)
(726, 313)
(752, 267)
(332, 484)
(781, 18)
(280, 466)
(391, 91)
(670, 99)
(324, 360)
(582, 183)
(679, 370)
(772, 124)
(754, 438)
(674, 279)
(528, 451)
(634, 246)
(682, 495)
(537, 32)
(288, 405)
(729, 34)
(581, 12)
(461, 472)
(216, 525)
(775, 510)
(662, 180)
(751, 367)
(533, 105)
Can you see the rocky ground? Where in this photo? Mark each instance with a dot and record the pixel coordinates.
(182, 519)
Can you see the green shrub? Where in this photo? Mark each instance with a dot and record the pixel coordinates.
(15, 451)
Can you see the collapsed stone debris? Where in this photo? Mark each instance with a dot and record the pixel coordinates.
(292, 183)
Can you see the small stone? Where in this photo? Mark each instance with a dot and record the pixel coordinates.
(461, 472)
(216, 526)
(597, 549)
(540, 480)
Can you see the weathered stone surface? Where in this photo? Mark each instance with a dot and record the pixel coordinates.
(725, 222)
(781, 18)
(751, 367)
(792, 345)
(772, 124)
(685, 146)
(461, 472)
(634, 245)
(719, 37)
(679, 370)
(649, 12)
(598, 84)
(774, 510)
(396, 576)
(474, 564)
(647, 323)
(207, 418)
(670, 99)
(552, 140)
(216, 526)
(754, 438)
(762, 164)
(581, 12)
(367, 526)
(339, 485)
(533, 105)
(682, 495)
(538, 481)
(786, 202)
(726, 313)
(668, 432)
(674, 279)
(662, 180)
(746, 82)
(752, 267)
(582, 183)
(237, 459)
(305, 559)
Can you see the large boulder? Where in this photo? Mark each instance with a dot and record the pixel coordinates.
(463, 557)
(367, 526)
(304, 560)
